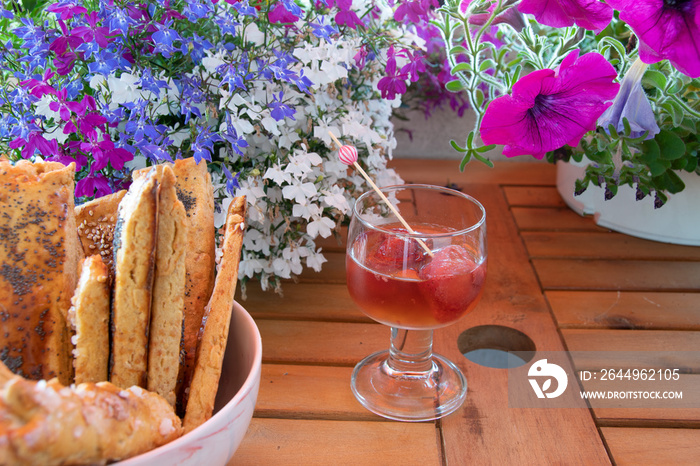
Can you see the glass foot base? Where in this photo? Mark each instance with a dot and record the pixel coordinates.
(408, 396)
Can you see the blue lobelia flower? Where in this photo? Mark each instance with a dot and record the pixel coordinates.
(165, 38)
(227, 22)
(230, 135)
(195, 10)
(118, 19)
(279, 110)
(324, 31)
(244, 9)
(149, 83)
(631, 103)
(203, 145)
(195, 47)
(231, 180)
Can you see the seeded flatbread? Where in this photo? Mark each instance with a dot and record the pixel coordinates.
(168, 291)
(134, 260)
(216, 322)
(38, 267)
(96, 220)
(89, 319)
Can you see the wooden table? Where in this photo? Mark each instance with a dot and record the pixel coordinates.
(553, 275)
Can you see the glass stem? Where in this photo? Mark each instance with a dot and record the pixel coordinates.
(411, 350)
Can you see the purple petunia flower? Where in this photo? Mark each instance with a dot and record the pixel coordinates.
(666, 30)
(631, 103)
(588, 14)
(551, 108)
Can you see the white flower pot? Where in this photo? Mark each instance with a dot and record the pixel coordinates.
(678, 221)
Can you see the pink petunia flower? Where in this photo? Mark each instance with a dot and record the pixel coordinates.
(551, 108)
(588, 14)
(666, 30)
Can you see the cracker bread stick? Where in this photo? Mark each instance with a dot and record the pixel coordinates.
(215, 324)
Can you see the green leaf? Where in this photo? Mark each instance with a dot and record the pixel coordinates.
(458, 49)
(692, 164)
(671, 145)
(650, 151)
(675, 86)
(465, 160)
(461, 67)
(487, 64)
(674, 110)
(483, 149)
(470, 139)
(658, 167)
(653, 78)
(454, 86)
(670, 182)
(479, 97)
(457, 147)
(482, 159)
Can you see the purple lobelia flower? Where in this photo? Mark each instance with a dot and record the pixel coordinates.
(93, 185)
(551, 108)
(631, 103)
(588, 14)
(394, 82)
(667, 29)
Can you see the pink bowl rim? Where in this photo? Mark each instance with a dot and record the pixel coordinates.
(245, 389)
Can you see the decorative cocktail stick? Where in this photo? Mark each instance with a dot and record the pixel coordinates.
(348, 155)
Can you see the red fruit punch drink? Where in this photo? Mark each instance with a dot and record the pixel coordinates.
(397, 283)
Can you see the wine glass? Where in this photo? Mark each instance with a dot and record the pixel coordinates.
(414, 280)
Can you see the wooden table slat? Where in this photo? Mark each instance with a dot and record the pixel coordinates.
(309, 392)
(625, 309)
(325, 343)
(633, 446)
(528, 196)
(273, 442)
(596, 245)
(597, 274)
(331, 302)
(552, 218)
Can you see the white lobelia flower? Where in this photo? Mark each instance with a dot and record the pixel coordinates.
(249, 267)
(299, 192)
(335, 197)
(306, 211)
(254, 240)
(314, 259)
(277, 175)
(320, 226)
(281, 268)
(293, 258)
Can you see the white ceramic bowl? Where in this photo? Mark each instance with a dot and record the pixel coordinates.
(214, 442)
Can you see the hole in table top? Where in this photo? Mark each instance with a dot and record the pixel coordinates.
(493, 346)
